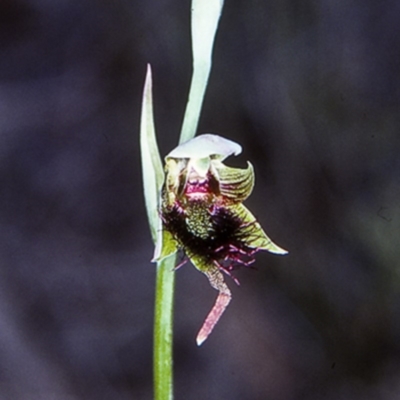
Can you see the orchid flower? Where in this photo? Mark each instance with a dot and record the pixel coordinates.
(202, 213)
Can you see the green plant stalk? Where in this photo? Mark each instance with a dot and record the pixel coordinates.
(163, 328)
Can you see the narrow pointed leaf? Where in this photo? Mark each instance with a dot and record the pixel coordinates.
(205, 18)
(152, 169)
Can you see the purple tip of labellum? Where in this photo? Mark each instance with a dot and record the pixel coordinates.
(224, 297)
(213, 317)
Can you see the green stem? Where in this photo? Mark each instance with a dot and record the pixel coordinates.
(163, 328)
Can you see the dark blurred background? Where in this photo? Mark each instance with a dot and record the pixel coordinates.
(311, 90)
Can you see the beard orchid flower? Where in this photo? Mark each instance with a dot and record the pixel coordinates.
(202, 213)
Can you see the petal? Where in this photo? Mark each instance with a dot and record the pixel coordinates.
(255, 237)
(235, 184)
(176, 177)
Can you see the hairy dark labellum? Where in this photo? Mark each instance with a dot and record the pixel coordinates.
(222, 239)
